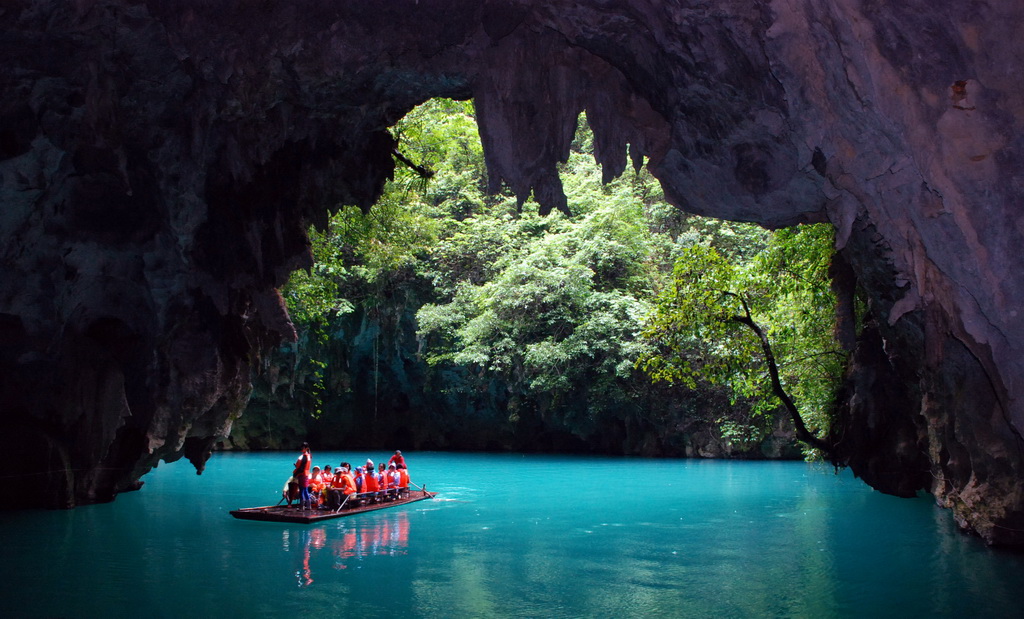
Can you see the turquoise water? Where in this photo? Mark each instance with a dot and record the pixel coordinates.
(510, 536)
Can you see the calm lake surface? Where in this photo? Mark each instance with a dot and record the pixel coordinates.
(510, 536)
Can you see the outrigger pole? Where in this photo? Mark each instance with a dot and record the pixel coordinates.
(423, 488)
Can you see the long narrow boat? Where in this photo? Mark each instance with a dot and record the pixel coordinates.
(285, 513)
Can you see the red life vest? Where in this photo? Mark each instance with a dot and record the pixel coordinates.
(302, 466)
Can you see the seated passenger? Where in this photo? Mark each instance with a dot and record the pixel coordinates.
(370, 484)
(382, 481)
(348, 482)
(316, 486)
(290, 492)
(403, 479)
(332, 493)
(359, 479)
(394, 479)
(326, 481)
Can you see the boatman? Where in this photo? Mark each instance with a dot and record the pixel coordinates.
(397, 459)
(301, 474)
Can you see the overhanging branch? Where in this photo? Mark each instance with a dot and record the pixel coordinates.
(802, 432)
(423, 171)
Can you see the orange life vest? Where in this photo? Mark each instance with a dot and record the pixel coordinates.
(348, 484)
(370, 482)
(403, 478)
(316, 484)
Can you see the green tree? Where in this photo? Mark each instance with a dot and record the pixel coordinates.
(362, 257)
(764, 328)
(555, 321)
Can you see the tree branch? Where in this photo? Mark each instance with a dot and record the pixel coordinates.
(802, 432)
(423, 171)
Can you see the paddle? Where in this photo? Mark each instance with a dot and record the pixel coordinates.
(423, 489)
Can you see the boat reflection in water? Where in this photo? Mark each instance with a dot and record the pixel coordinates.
(348, 542)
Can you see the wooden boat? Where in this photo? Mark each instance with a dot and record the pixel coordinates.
(285, 513)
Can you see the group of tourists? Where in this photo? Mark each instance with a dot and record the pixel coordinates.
(314, 487)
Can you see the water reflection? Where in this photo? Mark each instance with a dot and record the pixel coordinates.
(347, 542)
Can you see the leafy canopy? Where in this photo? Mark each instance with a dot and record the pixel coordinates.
(730, 323)
(555, 306)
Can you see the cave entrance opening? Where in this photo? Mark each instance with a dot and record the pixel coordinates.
(456, 318)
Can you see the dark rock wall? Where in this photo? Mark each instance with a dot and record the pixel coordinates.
(159, 161)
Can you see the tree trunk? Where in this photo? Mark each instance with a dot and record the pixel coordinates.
(802, 433)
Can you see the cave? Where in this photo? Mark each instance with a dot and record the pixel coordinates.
(161, 161)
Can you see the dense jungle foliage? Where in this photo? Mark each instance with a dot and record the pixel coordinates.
(447, 318)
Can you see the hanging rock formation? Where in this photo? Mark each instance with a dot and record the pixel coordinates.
(159, 161)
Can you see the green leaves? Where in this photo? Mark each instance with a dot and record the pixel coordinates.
(728, 322)
(315, 294)
(552, 308)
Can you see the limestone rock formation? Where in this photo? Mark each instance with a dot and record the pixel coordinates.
(159, 161)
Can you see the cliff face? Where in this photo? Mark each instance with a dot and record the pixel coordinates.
(159, 161)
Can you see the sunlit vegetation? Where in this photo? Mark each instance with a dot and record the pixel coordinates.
(762, 326)
(571, 317)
